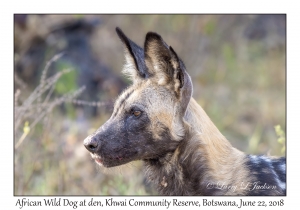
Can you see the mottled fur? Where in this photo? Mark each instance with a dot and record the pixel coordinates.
(157, 120)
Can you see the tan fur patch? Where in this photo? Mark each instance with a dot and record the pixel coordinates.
(225, 162)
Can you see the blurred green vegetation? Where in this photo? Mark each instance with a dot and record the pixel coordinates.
(281, 137)
(67, 82)
(239, 81)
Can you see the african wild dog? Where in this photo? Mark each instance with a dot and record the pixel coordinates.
(157, 120)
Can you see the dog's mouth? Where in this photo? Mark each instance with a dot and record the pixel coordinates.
(109, 161)
(97, 159)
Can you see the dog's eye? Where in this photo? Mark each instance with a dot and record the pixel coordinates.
(136, 113)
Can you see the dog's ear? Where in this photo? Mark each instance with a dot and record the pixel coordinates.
(163, 63)
(135, 66)
(169, 71)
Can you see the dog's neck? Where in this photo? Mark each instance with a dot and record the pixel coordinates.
(202, 160)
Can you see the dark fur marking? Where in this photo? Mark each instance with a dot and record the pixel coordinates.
(262, 171)
(278, 168)
(186, 176)
(120, 104)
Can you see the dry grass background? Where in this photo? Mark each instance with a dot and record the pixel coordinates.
(237, 63)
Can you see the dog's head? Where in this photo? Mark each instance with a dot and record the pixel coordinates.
(147, 121)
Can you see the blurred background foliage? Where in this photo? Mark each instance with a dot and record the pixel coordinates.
(237, 63)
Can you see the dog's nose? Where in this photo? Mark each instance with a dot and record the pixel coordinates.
(91, 143)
